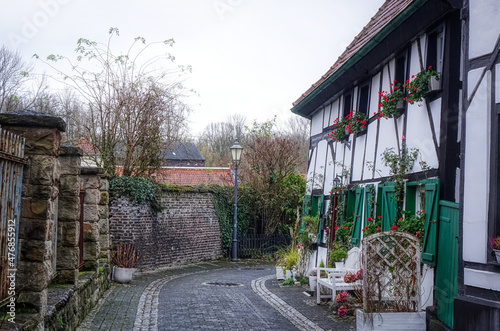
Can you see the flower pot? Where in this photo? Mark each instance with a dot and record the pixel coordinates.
(497, 254)
(123, 275)
(313, 282)
(288, 274)
(390, 321)
(279, 273)
(434, 84)
(339, 265)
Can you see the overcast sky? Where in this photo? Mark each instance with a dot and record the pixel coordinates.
(249, 57)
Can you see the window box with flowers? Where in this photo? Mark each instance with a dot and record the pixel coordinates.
(421, 84)
(355, 122)
(495, 246)
(391, 102)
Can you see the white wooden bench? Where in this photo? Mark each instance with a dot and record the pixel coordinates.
(334, 279)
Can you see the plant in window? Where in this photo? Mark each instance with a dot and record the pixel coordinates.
(373, 226)
(418, 87)
(354, 122)
(388, 107)
(413, 224)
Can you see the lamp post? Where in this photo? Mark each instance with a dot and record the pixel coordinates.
(236, 151)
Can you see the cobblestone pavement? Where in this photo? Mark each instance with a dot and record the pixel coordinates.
(216, 295)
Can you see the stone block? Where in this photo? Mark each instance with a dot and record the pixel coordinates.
(34, 250)
(70, 165)
(89, 182)
(103, 226)
(35, 299)
(104, 184)
(91, 231)
(43, 170)
(39, 191)
(91, 251)
(69, 208)
(69, 185)
(35, 208)
(67, 277)
(69, 233)
(90, 213)
(104, 198)
(33, 229)
(34, 276)
(104, 242)
(103, 211)
(67, 258)
(92, 196)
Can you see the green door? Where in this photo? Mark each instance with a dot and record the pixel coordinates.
(445, 290)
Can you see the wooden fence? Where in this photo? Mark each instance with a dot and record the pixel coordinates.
(11, 175)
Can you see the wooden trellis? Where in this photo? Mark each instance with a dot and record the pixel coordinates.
(391, 272)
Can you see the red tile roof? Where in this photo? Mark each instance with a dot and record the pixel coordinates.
(86, 146)
(389, 10)
(182, 176)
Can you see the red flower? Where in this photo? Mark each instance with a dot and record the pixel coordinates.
(400, 219)
(363, 230)
(394, 228)
(298, 246)
(351, 222)
(369, 219)
(423, 211)
(378, 229)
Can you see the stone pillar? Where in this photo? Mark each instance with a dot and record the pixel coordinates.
(39, 205)
(104, 237)
(68, 215)
(91, 178)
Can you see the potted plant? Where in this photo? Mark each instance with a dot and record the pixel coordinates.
(495, 246)
(390, 102)
(313, 276)
(338, 257)
(422, 83)
(354, 122)
(125, 263)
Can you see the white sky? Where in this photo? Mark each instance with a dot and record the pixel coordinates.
(249, 57)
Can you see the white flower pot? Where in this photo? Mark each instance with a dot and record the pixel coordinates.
(339, 265)
(497, 254)
(279, 273)
(313, 283)
(123, 275)
(414, 321)
(434, 84)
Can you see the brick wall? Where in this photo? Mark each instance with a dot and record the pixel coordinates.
(186, 230)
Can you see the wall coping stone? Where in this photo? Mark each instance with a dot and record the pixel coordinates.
(68, 150)
(92, 171)
(30, 118)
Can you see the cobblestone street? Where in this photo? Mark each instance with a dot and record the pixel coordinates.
(217, 295)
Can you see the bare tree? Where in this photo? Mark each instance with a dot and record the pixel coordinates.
(18, 88)
(298, 128)
(217, 138)
(133, 103)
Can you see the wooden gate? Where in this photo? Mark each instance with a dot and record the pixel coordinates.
(445, 290)
(11, 176)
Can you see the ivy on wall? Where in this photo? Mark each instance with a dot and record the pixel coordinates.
(139, 190)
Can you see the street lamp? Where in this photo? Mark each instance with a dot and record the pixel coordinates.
(236, 151)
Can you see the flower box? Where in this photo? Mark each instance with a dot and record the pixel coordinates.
(434, 84)
(497, 254)
(414, 321)
(279, 273)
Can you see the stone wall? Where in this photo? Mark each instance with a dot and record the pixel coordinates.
(50, 288)
(186, 230)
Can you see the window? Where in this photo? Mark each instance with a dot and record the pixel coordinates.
(363, 99)
(400, 74)
(435, 45)
(347, 104)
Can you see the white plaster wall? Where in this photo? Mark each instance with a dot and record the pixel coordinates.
(371, 139)
(358, 158)
(374, 98)
(386, 139)
(326, 115)
(497, 83)
(476, 172)
(484, 28)
(329, 175)
(317, 122)
(414, 58)
(310, 172)
(320, 165)
(484, 279)
(426, 286)
(334, 111)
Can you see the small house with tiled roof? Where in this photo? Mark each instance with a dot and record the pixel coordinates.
(452, 122)
(182, 154)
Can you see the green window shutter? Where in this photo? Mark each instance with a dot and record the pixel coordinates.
(358, 214)
(319, 230)
(314, 206)
(431, 221)
(389, 206)
(369, 197)
(379, 200)
(351, 201)
(306, 203)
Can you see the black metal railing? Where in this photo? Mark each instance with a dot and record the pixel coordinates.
(260, 245)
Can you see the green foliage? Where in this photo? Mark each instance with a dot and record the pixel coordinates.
(288, 282)
(354, 122)
(388, 101)
(419, 86)
(140, 190)
(343, 235)
(302, 280)
(338, 255)
(413, 224)
(311, 223)
(399, 165)
(373, 226)
(223, 199)
(288, 257)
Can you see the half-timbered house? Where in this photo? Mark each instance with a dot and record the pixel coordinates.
(448, 141)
